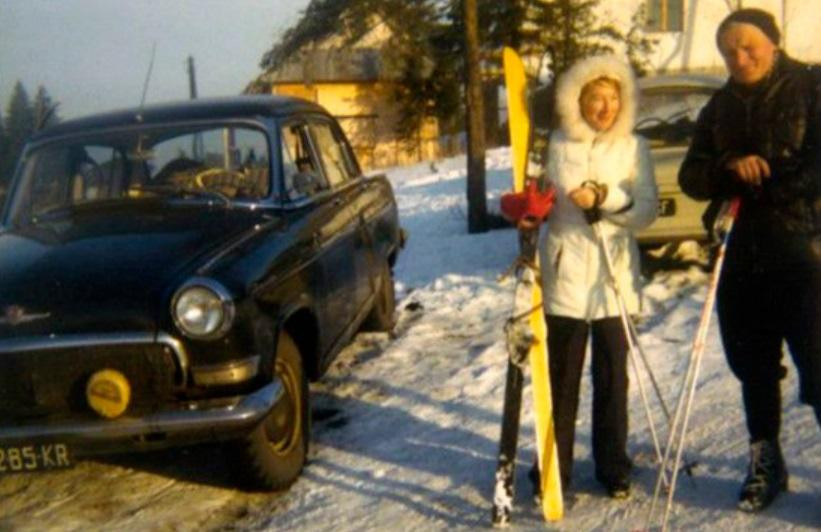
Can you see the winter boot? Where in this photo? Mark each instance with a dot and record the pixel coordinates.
(617, 484)
(766, 476)
(620, 489)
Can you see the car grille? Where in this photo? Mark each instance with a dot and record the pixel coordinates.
(52, 382)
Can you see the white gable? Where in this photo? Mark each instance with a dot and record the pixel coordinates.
(694, 49)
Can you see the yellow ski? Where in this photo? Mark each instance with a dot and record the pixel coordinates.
(519, 120)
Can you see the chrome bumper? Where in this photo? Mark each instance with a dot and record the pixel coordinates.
(205, 424)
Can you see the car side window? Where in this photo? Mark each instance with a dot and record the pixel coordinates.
(333, 152)
(300, 168)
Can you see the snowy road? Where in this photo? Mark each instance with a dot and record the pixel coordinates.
(405, 429)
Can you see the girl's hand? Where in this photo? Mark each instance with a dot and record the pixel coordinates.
(583, 197)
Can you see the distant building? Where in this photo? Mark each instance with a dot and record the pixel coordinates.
(354, 84)
(685, 29)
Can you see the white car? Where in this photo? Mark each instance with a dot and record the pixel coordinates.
(666, 118)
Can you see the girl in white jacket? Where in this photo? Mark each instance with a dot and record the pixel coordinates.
(602, 171)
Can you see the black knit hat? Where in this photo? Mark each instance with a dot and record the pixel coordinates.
(757, 17)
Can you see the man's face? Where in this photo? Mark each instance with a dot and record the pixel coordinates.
(748, 53)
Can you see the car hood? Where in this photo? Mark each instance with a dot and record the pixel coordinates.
(108, 269)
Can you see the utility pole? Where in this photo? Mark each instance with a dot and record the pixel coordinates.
(477, 203)
(197, 148)
(192, 78)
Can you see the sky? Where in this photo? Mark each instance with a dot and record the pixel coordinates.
(93, 55)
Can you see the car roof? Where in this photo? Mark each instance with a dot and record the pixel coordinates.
(245, 106)
(681, 80)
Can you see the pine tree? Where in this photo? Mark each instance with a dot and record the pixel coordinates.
(19, 126)
(569, 30)
(44, 109)
(3, 138)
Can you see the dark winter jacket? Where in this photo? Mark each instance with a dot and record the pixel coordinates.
(779, 225)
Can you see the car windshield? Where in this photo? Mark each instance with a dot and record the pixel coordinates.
(667, 115)
(214, 163)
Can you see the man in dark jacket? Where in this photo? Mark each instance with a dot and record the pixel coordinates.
(759, 138)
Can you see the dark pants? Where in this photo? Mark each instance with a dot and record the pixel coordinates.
(757, 312)
(567, 342)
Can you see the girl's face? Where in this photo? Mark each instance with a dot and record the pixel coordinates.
(600, 103)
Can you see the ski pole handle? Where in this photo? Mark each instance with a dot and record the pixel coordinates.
(735, 205)
(726, 217)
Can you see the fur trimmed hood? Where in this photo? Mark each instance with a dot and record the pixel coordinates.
(568, 90)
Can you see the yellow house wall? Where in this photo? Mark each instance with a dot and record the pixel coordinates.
(368, 118)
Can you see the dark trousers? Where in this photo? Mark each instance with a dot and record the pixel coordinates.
(567, 342)
(757, 312)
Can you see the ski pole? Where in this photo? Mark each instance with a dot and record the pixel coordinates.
(685, 401)
(688, 464)
(628, 336)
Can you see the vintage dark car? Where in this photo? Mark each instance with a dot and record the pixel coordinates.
(178, 273)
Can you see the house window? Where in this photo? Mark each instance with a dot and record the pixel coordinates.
(665, 15)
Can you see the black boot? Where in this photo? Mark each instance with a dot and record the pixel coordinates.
(535, 477)
(766, 476)
(617, 486)
(617, 483)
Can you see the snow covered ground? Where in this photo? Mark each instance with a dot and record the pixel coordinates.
(406, 429)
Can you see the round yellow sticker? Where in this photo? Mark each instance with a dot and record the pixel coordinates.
(108, 393)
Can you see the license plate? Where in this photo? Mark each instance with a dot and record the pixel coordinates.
(667, 207)
(24, 458)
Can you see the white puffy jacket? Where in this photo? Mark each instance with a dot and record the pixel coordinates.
(574, 273)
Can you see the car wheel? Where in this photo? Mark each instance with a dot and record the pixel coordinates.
(381, 315)
(274, 453)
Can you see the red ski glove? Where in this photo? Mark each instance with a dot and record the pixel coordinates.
(529, 207)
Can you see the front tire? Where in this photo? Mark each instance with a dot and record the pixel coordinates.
(274, 453)
(381, 316)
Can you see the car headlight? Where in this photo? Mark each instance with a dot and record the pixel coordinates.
(202, 309)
